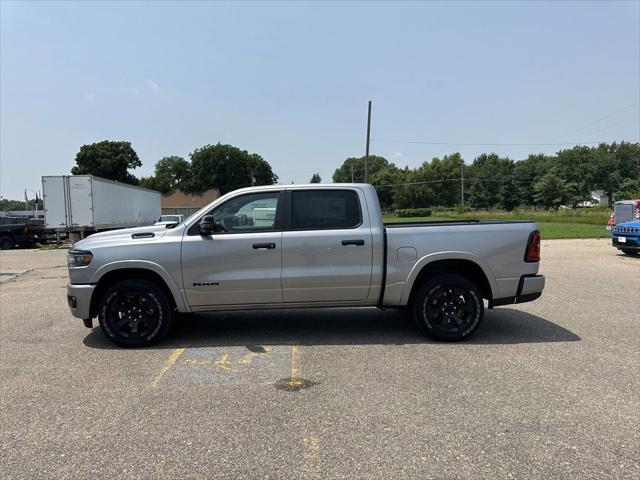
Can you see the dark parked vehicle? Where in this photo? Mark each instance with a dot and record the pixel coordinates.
(16, 231)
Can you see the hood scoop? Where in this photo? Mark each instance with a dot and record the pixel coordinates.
(135, 236)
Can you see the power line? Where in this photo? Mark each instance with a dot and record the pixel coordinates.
(612, 114)
(446, 180)
(494, 144)
(418, 183)
(624, 119)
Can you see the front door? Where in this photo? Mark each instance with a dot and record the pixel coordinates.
(240, 264)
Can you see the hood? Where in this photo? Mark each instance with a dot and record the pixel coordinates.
(123, 235)
(632, 223)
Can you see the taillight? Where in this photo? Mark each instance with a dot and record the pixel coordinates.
(533, 247)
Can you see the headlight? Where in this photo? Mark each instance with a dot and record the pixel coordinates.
(77, 258)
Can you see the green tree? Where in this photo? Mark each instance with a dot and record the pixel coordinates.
(448, 170)
(170, 173)
(616, 163)
(343, 173)
(628, 157)
(151, 183)
(315, 178)
(387, 182)
(487, 175)
(434, 183)
(551, 191)
(525, 174)
(108, 159)
(7, 205)
(578, 167)
(227, 168)
(628, 190)
(508, 195)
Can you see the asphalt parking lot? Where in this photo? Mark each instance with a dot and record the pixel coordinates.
(548, 389)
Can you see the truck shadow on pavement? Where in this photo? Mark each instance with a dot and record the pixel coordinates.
(366, 326)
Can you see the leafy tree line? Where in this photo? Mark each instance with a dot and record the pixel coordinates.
(220, 166)
(7, 205)
(493, 181)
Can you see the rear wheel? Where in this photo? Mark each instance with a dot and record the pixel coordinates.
(448, 308)
(134, 313)
(6, 242)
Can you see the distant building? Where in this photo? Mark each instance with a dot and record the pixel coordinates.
(601, 197)
(598, 197)
(179, 202)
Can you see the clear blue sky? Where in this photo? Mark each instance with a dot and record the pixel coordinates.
(290, 81)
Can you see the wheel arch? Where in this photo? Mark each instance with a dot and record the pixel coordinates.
(458, 263)
(114, 275)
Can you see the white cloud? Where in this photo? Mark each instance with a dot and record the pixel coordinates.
(153, 85)
(89, 96)
(397, 154)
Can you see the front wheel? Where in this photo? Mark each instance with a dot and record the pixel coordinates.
(6, 242)
(448, 308)
(134, 313)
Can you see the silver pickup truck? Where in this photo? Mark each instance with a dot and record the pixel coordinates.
(301, 246)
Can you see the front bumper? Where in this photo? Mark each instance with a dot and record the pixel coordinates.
(529, 288)
(629, 243)
(79, 299)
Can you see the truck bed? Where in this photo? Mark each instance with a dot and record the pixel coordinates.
(497, 246)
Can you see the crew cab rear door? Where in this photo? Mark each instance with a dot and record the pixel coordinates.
(326, 246)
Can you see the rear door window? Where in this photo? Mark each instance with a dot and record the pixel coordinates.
(325, 209)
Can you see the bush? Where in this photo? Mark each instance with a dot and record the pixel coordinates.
(413, 212)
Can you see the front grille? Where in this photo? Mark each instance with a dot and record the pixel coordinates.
(626, 230)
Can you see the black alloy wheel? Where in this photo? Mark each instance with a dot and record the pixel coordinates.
(134, 313)
(448, 307)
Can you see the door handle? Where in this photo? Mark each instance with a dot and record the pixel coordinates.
(358, 243)
(260, 246)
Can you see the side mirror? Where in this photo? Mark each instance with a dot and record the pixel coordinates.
(207, 225)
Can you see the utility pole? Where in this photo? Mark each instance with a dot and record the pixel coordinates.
(351, 173)
(462, 183)
(366, 157)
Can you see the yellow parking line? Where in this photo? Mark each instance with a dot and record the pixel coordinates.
(311, 466)
(294, 379)
(167, 365)
(295, 352)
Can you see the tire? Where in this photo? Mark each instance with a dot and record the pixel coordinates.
(6, 242)
(628, 251)
(448, 308)
(134, 313)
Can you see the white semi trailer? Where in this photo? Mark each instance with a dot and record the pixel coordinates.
(81, 204)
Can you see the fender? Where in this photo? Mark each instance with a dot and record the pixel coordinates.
(449, 255)
(181, 304)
